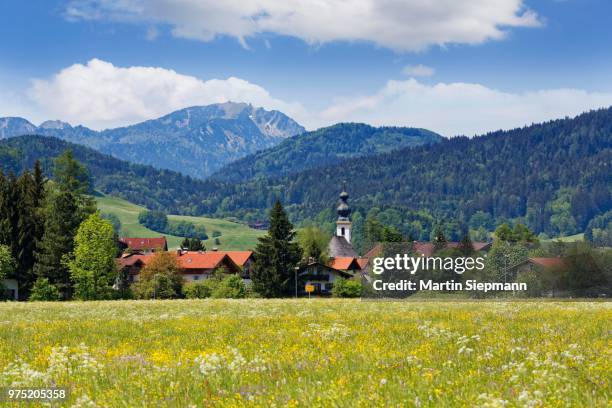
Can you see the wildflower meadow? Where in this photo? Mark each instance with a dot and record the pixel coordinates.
(319, 352)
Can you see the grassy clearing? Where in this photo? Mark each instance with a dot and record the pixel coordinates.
(234, 236)
(569, 238)
(312, 352)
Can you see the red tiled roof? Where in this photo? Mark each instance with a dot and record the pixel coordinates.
(363, 262)
(145, 243)
(344, 263)
(547, 262)
(375, 251)
(194, 260)
(239, 257)
(425, 248)
(131, 260)
(201, 260)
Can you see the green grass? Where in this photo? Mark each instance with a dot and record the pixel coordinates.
(234, 236)
(569, 238)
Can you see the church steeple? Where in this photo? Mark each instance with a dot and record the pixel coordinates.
(343, 224)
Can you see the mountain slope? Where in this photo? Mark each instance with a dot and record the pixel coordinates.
(234, 236)
(324, 147)
(554, 176)
(140, 184)
(195, 141)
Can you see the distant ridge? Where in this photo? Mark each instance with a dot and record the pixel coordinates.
(195, 141)
(323, 147)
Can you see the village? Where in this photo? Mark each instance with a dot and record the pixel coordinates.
(315, 277)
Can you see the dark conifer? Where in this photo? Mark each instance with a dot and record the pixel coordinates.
(276, 256)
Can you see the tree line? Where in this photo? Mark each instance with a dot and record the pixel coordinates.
(158, 221)
(59, 246)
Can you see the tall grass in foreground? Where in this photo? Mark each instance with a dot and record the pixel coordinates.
(318, 352)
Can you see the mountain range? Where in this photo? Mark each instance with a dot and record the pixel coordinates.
(554, 176)
(195, 141)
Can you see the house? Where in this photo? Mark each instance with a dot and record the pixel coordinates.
(11, 289)
(425, 248)
(538, 264)
(144, 245)
(201, 265)
(195, 265)
(321, 276)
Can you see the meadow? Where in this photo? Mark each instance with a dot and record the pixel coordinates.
(319, 352)
(234, 236)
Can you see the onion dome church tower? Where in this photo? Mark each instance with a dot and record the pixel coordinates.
(340, 244)
(343, 224)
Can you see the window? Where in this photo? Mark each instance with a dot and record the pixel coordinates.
(342, 231)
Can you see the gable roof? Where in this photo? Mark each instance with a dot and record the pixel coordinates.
(192, 260)
(145, 243)
(201, 260)
(425, 248)
(132, 260)
(344, 263)
(339, 247)
(363, 262)
(547, 262)
(239, 257)
(328, 268)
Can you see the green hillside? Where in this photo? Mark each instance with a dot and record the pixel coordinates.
(323, 147)
(569, 238)
(234, 236)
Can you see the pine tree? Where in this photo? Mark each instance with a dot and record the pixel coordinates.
(196, 244)
(276, 256)
(186, 244)
(465, 246)
(27, 227)
(192, 244)
(439, 241)
(65, 209)
(61, 224)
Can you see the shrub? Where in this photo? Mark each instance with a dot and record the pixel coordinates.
(161, 286)
(345, 288)
(43, 290)
(200, 289)
(533, 281)
(230, 287)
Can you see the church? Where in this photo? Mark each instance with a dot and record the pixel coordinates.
(344, 262)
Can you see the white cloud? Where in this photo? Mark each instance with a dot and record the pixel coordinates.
(460, 108)
(99, 94)
(418, 70)
(402, 25)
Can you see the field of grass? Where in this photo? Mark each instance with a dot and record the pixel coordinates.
(569, 238)
(320, 352)
(234, 236)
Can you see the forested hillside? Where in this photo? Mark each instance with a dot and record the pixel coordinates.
(554, 176)
(144, 185)
(324, 147)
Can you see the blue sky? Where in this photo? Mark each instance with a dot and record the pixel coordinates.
(484, 64)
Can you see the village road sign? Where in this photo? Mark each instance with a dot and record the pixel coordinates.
(309, 288)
